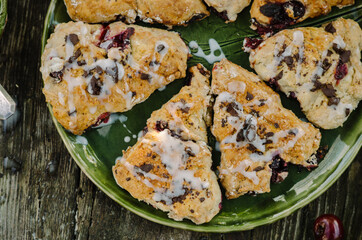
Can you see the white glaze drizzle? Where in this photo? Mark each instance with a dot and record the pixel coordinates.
(210, 58)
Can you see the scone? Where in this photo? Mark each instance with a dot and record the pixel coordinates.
(257, 135)
(270, 15)
(228, 10)
(90, 71)
(170, 166)
(321, 67)
(167, 12)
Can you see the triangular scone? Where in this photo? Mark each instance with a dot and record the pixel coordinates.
(167, 12)
(270, 15)
(90, 71)
(169, 169)
(321, 67)
(228, 10)
(257, 135)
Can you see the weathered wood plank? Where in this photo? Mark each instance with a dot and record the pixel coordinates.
(49, 198)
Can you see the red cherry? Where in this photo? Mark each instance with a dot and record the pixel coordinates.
(328, 227)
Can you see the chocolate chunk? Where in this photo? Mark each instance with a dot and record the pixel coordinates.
(330, 28)
(271, 9)
(202, 199)
(81, 63)
(189, 151)
(255, 113)
(317, 85)
(253, 149)
(146, 167)
(113, 72)
(329, 90)
(329, 53)
(223, 122)
(127, 179)
(58, 76)
(293, 132)
(297, 7)
(160, 48)
(259, 168)
(269, 134)
(348, 111)
(249, 96)
(268, 141)
(96, 86)
(181, 198)
(289, 61)
(240, 136)
(293, 95)
(345, 56)
(86, 73)
(278, 166)
(73, 38)
(192, 211)
(276, 125)
(161, 125)
(333, 101)
(326, 65)
(145, 76)
(99, 70)
(77, 53)
(231, 108)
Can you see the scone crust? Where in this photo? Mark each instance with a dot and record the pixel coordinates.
(147, 60)
(228, 9)
(147, 170)
(311, 9)
(326, 98)
(248, 117)
(167, 12)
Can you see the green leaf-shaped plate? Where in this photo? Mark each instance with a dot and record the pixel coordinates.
(106, 143)
(3, 15)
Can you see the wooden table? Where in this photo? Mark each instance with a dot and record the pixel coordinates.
(50, 198)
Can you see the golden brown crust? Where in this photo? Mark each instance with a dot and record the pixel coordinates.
(254, 129)
(228, 9)
(167, 12)
(326, 80)
(297, 13)
(107, 70)
(173, 172)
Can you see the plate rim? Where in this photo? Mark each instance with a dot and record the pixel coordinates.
(3, 15)
(342, 165)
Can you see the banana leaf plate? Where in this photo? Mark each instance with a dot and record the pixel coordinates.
(96, 150)
(3, 15)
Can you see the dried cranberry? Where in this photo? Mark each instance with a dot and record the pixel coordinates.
(252, 43)
(103, 118)
(122, 40)
(278, 166)
(328, 227)
(341, 71)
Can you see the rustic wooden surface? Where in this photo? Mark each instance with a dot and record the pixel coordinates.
(50, 198)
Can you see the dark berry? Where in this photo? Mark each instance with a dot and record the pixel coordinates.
(328, 227)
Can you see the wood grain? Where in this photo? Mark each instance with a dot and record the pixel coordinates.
(50, 198)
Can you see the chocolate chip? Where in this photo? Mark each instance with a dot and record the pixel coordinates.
(249, 96)
(269, 134)
(81, 63)
(77, 53)
(192, 211)
(329, 90)
(276, 125)
(96, 86)
(293, 132)
(223, 122)
(231, 109)
(58, 76)
(99, 70)
(326, 65)
(73, 113)
(329, 53)
(330, 28)
(348, 111)
(268, 141)
(258, 168)
(345, 56)
(146, 167)
(145, 76)
(240, 136)
(271, 9)
(73, 38)
(293, 95)
(160, 48)
(202, 199)
(127, 179)
(161, 125)
(289, 61)
(333, 101)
